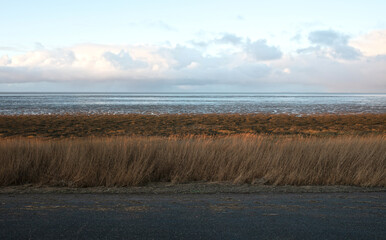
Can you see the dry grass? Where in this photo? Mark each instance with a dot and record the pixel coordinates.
(131, 161)
(63, 126)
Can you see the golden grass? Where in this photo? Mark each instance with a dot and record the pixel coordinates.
(63, 126)
(132, 161)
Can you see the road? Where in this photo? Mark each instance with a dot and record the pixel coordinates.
(194, 216)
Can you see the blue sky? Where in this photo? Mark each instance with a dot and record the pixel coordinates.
(322, 46)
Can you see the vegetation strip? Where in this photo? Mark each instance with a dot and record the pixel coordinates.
(63, 126)
(136, 161)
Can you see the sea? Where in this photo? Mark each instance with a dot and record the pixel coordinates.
(193, 103)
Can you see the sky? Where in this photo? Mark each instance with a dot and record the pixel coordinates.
(193, 46)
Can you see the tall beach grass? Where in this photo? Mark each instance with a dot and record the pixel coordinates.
(133, 161)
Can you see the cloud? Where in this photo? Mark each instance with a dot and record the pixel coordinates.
(380, 57)
(372, 43)
(257, 50)
(253, 71)
(331, 43)
(45, 58)
(5, 60)
(260, 51)
(346, 52)
(39, 46)
(181, 56)
(309, 49)
(229, 38)
(245, 66)
(297, 37)
(224, 38)
(5, 48)
(199, 44)
(123, 60)
(136, 67)
(328, 38)
(327, 74)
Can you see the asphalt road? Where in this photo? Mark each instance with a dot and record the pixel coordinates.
(194, 216)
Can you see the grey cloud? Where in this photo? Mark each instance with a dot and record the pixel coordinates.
(308, 49)
(243, 74)
(253, 71)
(63, 57)
(328, 38)
(225, 38)
(123, 60)
(350, 76)
(39, 46)
(297, 37)
(261, 51)
(380, 57)
(28, 75)
(200, 44)
(335, 41)
(183, 56)
(211, 70)
(10, 74)
(346, 52)
(229, 38)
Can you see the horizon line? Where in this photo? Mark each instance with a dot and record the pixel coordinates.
(155, 92)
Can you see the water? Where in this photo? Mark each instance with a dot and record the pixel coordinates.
(160, 103)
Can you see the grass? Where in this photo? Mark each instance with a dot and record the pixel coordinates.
(64, 126)
(246, 158)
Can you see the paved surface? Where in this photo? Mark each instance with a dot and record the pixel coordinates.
(194, 216)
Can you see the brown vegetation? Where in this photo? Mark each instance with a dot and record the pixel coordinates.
(61, 126)
(130, 161)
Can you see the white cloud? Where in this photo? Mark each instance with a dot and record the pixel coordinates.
(327, 74)
(249, 65)
(371, 44)
(5, 60)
